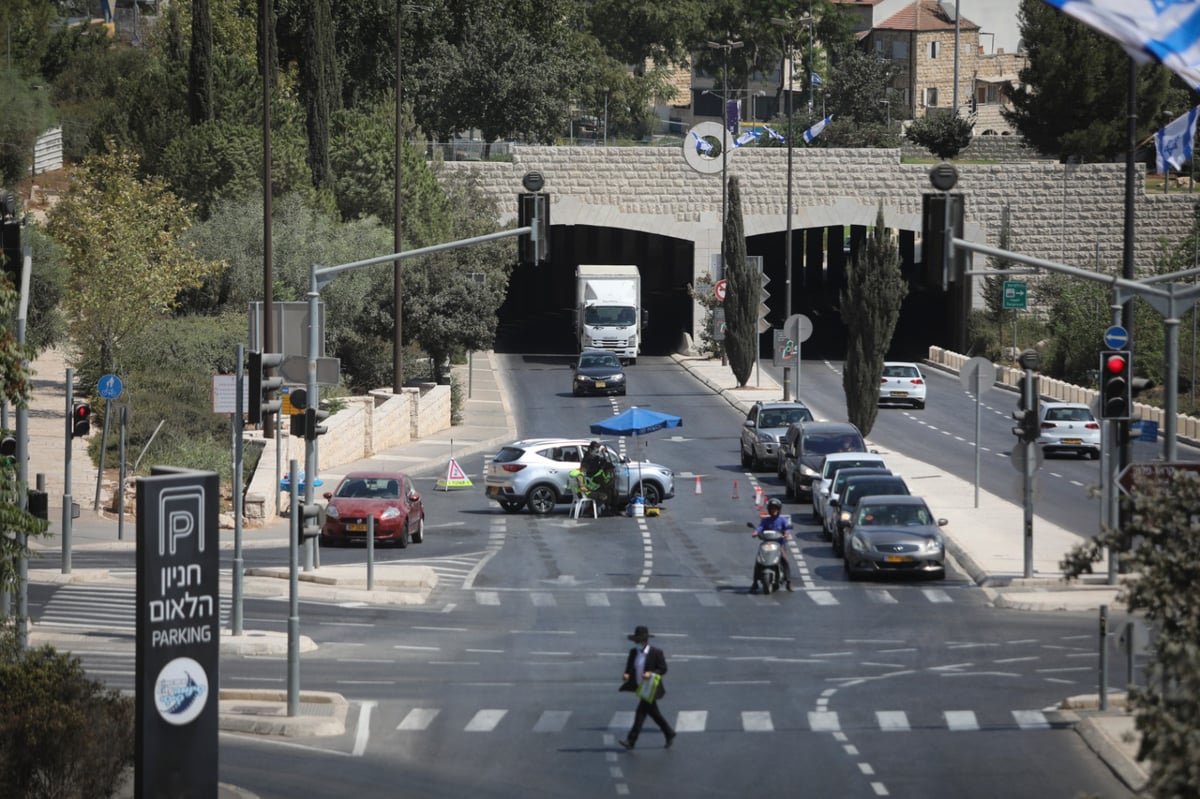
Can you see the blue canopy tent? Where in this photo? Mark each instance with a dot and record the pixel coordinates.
(635, 422)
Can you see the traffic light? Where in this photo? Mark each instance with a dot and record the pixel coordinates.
(297, 427)
(298, 399)
(312, 423)
(262, 386)
(8, 449)
(1116, 385)
(1027, 415)
(533, 210)
(81, 420)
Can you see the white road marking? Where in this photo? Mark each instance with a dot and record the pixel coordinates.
(892, 720)
(363, 732)
(419, 718)
(961, 720)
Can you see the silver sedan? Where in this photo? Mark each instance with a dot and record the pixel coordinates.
(895, 534)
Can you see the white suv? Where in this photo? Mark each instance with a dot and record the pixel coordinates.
(537, 472)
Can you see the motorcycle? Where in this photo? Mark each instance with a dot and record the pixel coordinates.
(768, 564)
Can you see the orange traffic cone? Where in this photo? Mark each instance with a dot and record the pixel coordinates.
(699, 489)
(735, 490)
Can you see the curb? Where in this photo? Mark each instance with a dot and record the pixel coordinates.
(1100, 741)
(262, 713)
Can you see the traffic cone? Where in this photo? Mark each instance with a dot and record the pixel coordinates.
(699, 489)
(735, 490)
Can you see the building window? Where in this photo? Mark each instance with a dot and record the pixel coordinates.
(931, 97)
(899, 49)
(933, 49)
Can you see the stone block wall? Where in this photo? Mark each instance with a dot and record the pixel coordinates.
(365, 427)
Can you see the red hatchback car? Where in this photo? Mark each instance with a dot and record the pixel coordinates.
(390, 497)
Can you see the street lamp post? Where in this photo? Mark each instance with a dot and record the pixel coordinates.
(725, 47)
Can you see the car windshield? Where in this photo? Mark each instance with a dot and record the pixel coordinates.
(894, 515)
(1068, 415)
(369, 488)
(608, 315)
(599, 361)
(823, 444)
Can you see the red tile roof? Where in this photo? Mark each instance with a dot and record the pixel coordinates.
(924, 16)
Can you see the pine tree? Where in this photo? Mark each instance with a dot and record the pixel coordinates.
(741, 294)
(870, 308)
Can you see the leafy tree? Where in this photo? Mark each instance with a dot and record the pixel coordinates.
(1076, 100)
(26, 25)
(121, 235)
(15, 384)
(742, 290)
(870, 308)
(61, 734)
(200, 72)
(943, 134)
(26, 115)
(1160, 543)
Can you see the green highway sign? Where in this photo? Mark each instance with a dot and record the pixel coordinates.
(1014, 295)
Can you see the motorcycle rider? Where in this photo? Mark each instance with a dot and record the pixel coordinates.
(599, 471)
(776, 521)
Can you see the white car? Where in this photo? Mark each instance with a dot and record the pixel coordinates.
(1068, 428)
(902, 383)
(834, 462)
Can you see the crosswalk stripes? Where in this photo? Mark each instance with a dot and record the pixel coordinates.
(706, 598)
(487, 720)
(104, 609)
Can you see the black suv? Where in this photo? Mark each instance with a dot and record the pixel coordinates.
(803, 451)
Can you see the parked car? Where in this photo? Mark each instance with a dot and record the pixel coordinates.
(837, 487)
(895, 534)
(804, 448)
(902, 383)
(834, 463)
(597, 372)
(765, 423)
(845, 505)
(389, 497)
(537, 473)
(1068, 428)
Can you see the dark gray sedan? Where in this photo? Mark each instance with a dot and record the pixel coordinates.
(894, 534)
(597, 372)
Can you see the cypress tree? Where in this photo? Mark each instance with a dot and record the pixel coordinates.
(742, 289)
(200, 72)
(319, 87)
(870, 309)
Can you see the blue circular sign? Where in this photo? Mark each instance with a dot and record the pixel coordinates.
(1116, 337)
(109, 387)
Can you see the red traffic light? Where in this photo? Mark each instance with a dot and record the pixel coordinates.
(82, 411)
(1115, 364)
(81, 417)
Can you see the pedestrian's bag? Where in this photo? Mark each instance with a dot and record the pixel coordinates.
(648, 690)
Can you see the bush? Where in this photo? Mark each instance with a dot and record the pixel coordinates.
(61, 734)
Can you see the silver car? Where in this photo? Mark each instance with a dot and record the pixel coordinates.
(1068, 428)
(537, 473)
(895, 534)
(765, 424)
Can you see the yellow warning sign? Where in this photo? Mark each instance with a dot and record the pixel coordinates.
(455, 477)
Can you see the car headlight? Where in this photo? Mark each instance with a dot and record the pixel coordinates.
(615, 378)
(857, 544)
(844, 516)
(933, 545)
(390, 513)
(331, 511)
(767, 438)
(581, 378)
(808, 471)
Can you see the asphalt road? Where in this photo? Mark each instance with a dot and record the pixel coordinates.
(504, 684)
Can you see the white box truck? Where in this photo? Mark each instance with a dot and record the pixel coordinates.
(608, 309)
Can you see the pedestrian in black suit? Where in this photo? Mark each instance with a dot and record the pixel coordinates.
(643, 664)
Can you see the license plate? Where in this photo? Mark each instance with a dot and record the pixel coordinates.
(899, 393)
(356, 528)
(600, 384)
(1072, 440)
(897, 559)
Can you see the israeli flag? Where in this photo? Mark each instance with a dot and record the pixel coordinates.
(1174, 142)
(747, 137)
(774, 134)
(816, 129)
(702, 146)
(1163, 30)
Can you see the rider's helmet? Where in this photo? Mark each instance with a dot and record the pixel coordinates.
(774, 504)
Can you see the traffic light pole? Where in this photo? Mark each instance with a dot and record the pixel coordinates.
(22, 430)
(67, 503)
(1030, 394)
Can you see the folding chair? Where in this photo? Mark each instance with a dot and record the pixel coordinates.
(583, 497)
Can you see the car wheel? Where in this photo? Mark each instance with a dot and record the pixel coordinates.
(512, 505)
(851, 575)
(402, 541)
(419, 536)
(755, 464)
(839, 548)
(920, 406)
(745, 460)
(651, 493)
(541, 499)
(1093, 454)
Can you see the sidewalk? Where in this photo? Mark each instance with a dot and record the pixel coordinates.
(984, 541)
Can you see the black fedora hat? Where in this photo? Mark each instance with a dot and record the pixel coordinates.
(640, 633)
